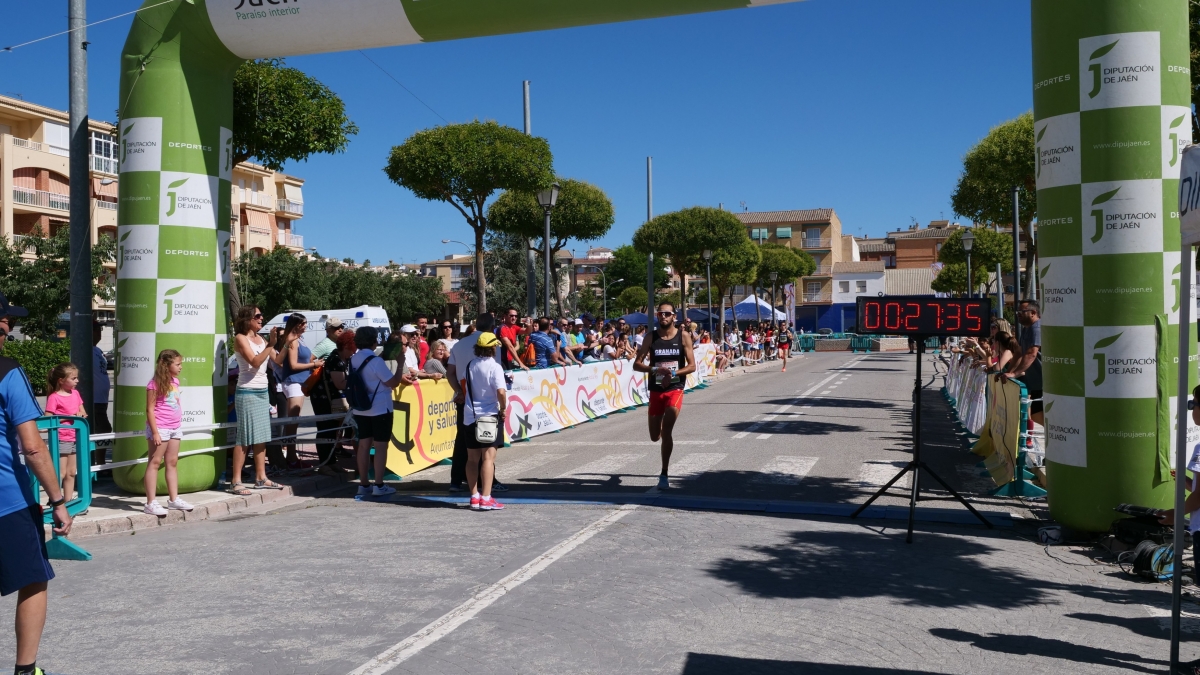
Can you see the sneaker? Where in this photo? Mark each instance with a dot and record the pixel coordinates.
(382, 491)
(457, 487)
(154, 509)
(490, 504)
(663, 483)
(179, 505)
(364, 490)
(497, 486)
(476, 500)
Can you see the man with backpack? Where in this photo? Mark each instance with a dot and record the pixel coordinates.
(369, 385)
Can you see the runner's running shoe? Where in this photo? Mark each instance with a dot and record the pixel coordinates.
(382, 491)
(179, 505)
(475, 501)
(490, 504)
(663, 483)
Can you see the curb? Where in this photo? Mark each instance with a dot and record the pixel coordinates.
(143, 521)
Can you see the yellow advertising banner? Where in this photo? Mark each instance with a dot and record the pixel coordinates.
(424, 426)
(1001, 432)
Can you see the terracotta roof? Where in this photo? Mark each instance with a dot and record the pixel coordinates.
(913, 281)
(858, 267)
(802, 216)
(926, 233)
(876, 246)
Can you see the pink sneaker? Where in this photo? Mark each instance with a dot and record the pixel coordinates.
(476, 500)
(490, 504)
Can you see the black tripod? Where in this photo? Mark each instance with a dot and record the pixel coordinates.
(917, 465)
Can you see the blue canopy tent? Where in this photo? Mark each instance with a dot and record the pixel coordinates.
(635, 319)
(745, 311)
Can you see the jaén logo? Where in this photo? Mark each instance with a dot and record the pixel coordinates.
(1096, 70)
(1101, 359)
(169, 303)
(171, 194)
(1098, 214)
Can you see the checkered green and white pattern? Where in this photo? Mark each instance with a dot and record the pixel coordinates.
(173, 276)
(1112, 113)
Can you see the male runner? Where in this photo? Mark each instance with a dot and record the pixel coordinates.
(667, 359)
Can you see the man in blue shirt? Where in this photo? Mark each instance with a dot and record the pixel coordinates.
(543, 345)
(24, 563)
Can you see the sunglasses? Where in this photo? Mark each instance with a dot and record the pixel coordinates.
(447, 327)
(666, 313)
(1191, 405)
(257, 316)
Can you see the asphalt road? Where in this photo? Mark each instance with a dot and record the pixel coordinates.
(332, 585)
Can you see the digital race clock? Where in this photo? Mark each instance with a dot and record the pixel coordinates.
(918, 315)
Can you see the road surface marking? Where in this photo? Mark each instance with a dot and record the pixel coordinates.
(785, 470)
(448, 622)
(877, 472)
(762, 437)
(749, 430)
(592, 444)
(520, 467)
(695, 463)
(608, 464)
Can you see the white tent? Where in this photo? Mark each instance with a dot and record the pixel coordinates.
(745, 311)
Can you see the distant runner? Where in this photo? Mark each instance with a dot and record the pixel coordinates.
(785, 343)
(670, 360)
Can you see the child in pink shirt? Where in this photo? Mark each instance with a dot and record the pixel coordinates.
(64, 399)
(164, 421)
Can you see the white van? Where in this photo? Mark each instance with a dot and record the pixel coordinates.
(351, 319)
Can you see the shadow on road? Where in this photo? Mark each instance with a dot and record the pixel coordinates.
(829, 402)
(716, 664)
(1032, 645)
(800, 427)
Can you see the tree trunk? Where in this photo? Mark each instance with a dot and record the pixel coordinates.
(480, 281)
(721, 296)
(682, 297)
(1030, 252)
(235, 298)
(558, 293)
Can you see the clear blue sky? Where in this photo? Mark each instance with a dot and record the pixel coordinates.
(864, 106)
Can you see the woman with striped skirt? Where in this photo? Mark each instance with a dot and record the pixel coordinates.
(250, 399)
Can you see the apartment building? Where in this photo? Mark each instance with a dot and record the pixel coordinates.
(919, 246)
(35, 187)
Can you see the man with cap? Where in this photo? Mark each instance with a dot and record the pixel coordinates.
(24, 564)
(333, 328)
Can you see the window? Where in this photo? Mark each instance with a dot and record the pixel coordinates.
(812, 233)
(58, 137)
(860, 287)
(813, 288)
(758, 233)
(783, 233)
(843, 287)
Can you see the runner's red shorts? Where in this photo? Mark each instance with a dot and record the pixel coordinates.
(661, 400)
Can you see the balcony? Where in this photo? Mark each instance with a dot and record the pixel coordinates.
(290, 207)
(256, 237)
(27, 144)
(107, 206)
(22, 243)
(41, 198)
(815, 243)
(822, 271)
(290, 240)
(260, 199)
(105, 165)
(817, 297)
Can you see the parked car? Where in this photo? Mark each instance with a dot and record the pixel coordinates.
(111, 357)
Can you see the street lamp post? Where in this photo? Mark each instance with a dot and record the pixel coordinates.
(604, 282)
(774, 276)
(708, 254)
(547, 199)
(968, 242)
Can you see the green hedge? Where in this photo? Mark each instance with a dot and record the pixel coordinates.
(38, 358)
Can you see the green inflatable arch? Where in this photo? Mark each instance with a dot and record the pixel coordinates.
(1112, 110)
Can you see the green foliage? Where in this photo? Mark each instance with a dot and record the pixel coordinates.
(629, 264)
(951, 279)
(281, 115)
(38, 358)
(280, 281)
(588, 300)
(1004, 158)
(787, 262)
(989, 248)
(43, 285)
(583, 213)
(464, 165)
(632, 299)
(683, 235)
(504, 264)
(734, 266)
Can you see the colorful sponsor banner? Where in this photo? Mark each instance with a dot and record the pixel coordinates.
(1001, 432)
(540, 401)
(1111, 115)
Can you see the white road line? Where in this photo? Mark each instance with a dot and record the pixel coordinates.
(877, 472)
(607, 464)
(762, 437)
(783, 409)
(785, 470)
(520, 467)
(827, 392)
(695, 463)
(754, 427)
(448, 622)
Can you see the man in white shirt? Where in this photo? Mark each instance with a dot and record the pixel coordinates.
(375, 421)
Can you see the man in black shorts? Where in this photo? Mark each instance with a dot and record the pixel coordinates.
(1029, 369)
(372, 416)
(24, 563)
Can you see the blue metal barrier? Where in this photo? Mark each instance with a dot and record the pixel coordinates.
(860, 343)
(61, 548)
